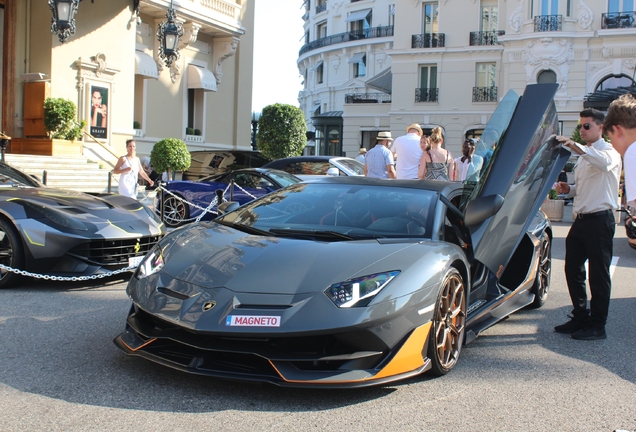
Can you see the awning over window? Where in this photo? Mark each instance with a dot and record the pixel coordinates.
(382, 81)
(145, 65)
(357, 57)
(601, 99)
(316, 66)
(201, 78)
(358, 15)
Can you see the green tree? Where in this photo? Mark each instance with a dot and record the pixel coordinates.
(170, 154)
(282, 131)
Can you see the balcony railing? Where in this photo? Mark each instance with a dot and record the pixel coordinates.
(426, 94)
(482, 38)
(484, 94)
(428, 40)
(321, 7)
(615, 20)
(548, 23)
(374, 32)
(352, 98)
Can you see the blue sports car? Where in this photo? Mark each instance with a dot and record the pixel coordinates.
(187, 200)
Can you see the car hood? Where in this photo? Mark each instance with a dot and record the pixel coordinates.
(24, 203)
(212, 255)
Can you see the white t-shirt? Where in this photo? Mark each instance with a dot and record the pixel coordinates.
(407, 153)
(630, 175)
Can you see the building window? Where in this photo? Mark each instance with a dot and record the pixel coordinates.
(620, 6)
(485, 89)
(305, 79)
(546, 77)
(196, 104)
(319, 74)
(485, 76)
(391, 15)
(321, 30)
(359, 61)
(489, 18)
(427, 91)
(612, 82)
(429, 18)
(546, 7)
(306, 38)
(360, 25)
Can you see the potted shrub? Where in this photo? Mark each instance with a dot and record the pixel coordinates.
(169, 155)
(62, 129)
(569, 170)
(553, 206)
(189, 131)
(59, 119)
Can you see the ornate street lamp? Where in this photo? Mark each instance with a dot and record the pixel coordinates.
(169, 34)
(63, 21)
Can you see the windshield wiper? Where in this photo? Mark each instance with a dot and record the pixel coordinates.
(312, 233)
(245, 228)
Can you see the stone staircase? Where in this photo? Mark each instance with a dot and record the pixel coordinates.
(66, 172)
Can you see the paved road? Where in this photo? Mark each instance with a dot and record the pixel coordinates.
(59, 370)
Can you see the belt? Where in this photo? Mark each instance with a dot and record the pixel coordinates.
(594, 214)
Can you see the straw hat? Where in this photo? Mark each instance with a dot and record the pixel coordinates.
(384, 136)
(415, 126)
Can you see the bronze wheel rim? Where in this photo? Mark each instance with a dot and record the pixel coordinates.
(545, 268)
(450, 321)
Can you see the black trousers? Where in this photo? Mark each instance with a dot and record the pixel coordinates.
(590, 239)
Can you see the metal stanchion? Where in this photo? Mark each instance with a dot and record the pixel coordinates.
(163, 202)
(232, 190)
(110, 181)
(44, 177)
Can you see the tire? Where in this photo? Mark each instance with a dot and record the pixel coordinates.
(11, 253)
(449, 324)
(542, 279)
(176, 212)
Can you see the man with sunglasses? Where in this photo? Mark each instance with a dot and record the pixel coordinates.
(596, 177)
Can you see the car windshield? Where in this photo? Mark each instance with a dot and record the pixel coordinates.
(353, 165)
(339, 212)
(10, 177)
(283, 178)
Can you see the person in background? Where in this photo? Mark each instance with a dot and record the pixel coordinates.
(436, 163)
(468, 166)
(407, 152)
(379, 160)
(150, 171)
(590, 238)
(360, 157)
(425, 143)
(620, 127)
(129, 167)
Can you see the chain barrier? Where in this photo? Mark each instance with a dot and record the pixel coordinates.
(66, 278)
(207, 209)
(122, 270)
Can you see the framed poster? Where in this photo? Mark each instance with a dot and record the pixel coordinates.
(98, 120)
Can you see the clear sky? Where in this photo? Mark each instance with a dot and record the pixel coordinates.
(278, 37)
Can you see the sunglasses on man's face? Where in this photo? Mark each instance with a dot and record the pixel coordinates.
(585, 126)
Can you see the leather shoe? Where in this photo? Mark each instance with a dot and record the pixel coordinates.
(590, 333)
(570, 326)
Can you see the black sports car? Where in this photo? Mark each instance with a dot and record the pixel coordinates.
(188, 199)
(352, 281)
(67, 233)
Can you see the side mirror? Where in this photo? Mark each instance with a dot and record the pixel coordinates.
(480, 209)
(333, 171)
(227, 207)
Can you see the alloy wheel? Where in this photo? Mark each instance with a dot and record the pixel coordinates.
(175, 212)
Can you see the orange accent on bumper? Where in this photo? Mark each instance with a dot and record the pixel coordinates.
(140, 346)
(407, 359)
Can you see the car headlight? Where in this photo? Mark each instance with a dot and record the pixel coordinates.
(151, 264)
(360, 291)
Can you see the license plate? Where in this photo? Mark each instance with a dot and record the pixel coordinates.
(135, 261)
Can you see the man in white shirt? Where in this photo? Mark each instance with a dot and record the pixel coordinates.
(620, 126)
(407, 152)
(591, 237)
